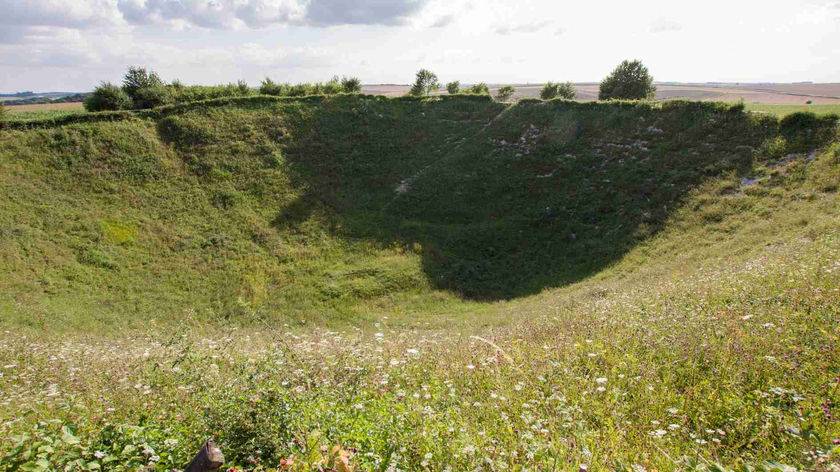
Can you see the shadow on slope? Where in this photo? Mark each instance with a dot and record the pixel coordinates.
(500, 202)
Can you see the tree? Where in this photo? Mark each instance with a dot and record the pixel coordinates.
(351, 85)
(425, 82)
(479, 89)
(504, 93)
(629, 81)
(564, 90)
(107, 96)
(453, 87)
(139, 78)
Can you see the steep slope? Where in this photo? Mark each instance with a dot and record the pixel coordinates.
(346, 208)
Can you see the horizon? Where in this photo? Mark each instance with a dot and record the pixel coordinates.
(75, 45)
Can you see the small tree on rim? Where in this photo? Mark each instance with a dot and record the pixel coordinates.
(629, 81)
(425, 82)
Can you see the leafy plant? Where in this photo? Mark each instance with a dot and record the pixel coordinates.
(564, 90)
(137, 78)
(107, 96)
(453, 87)
(478, 89)
(629, 81)
(424, 83)
(351, 85)
(505, 93)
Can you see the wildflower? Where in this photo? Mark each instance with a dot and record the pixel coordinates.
(672, 411)
(658, 433)
(673, 427)
(470, 366)
(601, 389)
(99, 454)
(412, 352)
(601, 380)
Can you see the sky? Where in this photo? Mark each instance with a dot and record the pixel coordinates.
(72, 45)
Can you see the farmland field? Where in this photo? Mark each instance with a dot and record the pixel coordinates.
(439, 283)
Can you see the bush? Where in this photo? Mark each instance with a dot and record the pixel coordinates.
(504, 93)
(151, 97)
(107, 97)
(564, 90)
(269, 87)
(453, 87)
(478, 89)
(629, 81)
(139, 78)
(425, 82)
(804, 131)
(2, 112)
(351, 85)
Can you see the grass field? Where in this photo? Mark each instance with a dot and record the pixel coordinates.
(783, 110)
(361, 283)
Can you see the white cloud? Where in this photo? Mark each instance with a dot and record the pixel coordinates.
(663, 25)
(531, 27)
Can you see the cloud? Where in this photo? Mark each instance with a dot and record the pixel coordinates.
(355, 12)
(664, 26)
(210, 14)
(532, 27)
(63, 13)
(443, 21)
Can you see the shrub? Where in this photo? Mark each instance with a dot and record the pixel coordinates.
(425, 82)
(107, 96)
(479, 89)
(139, 78)
(504, 93)
(151, 97)
(804, 131)
(564, 90)
(629, 81)
(2, 112)
(351, 85)
(453, 87)
(269, 87)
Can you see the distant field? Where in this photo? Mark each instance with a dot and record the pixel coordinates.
(782, 110)
(72, 106)
(782, 94)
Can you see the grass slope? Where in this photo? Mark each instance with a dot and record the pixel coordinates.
(535, 287)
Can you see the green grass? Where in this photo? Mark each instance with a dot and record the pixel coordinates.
(426, 284)
(784, 110)
(38, 115)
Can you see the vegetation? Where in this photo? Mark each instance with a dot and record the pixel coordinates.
(108, 96)
(421, 284)
(505, 93)
(629, 81)
(564, 90)
(425, 82)
(2, 112)
(478, 89)
(453, 87)
(784, 110)
(336, 85)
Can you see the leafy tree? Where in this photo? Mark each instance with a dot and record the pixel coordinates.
(425, 82)
(629, 81)
(564, 90)
(107, 96)
(139, 78)
(504, 93)
(479, 89)
(351, 85)
(453, 87)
